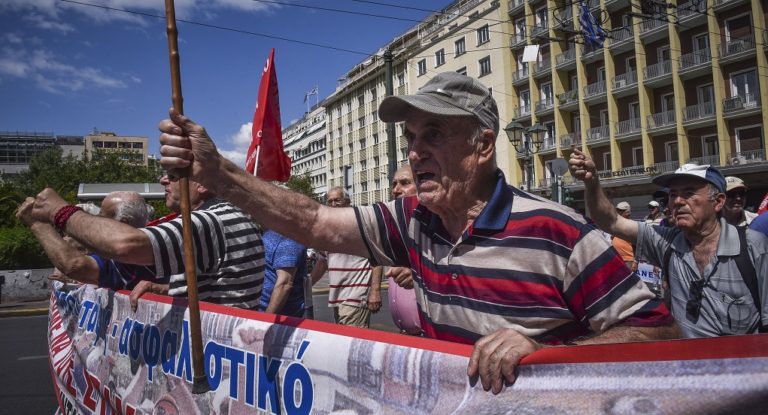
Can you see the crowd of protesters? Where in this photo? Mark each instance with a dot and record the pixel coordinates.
(484, 262)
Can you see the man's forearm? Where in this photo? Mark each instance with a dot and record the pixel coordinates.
(376, 274)
(111, 239)
(291, 214)
(281, 291)
(626, 334)
(601, 210)
(66, 258)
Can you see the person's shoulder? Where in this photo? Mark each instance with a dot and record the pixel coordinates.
(531, 205)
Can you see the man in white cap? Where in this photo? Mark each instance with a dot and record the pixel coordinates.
(716, 272)
(492, 266)
(654, 213)
(735, 199)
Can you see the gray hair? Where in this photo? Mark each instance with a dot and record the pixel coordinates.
(89, 207)
(132, 209)
(344, 193)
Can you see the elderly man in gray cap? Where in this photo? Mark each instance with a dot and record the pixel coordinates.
(492, 266)
(716, 272)
(734, 210)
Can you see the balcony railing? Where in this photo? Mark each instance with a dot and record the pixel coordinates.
(741, 102)
(658, 70)
(592, 90)
(520, 74)
(514, 4)
(711, 160)
(588, 52)
(629, 126)
(539, 31)
(516, 39)
(570, 139)
(543, 65)
(736, 46)
(691, 8)
(568, 97)
(699, 111)
(650, 25)
(666, 166)
(692, 59)
(563, 15)
(566, 57)
(625, 80)
(661, 119)
(620, 36)
(547, 144)
(598, 134)
(522, 111)
(749, 156)
(545, 104)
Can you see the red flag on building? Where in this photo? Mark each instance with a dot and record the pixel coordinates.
(266, 154)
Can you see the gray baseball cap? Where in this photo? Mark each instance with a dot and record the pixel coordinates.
(450, 94)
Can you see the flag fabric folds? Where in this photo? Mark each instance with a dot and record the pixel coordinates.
(593, 33)
(266, 158)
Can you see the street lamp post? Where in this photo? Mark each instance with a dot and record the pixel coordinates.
(527, 142)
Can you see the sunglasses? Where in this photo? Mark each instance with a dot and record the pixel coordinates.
(693, 306)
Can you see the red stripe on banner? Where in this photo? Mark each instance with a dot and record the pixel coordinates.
(53, 309)
(755, 345)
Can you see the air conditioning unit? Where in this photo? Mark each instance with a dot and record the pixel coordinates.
(738, 161)
(621, 83)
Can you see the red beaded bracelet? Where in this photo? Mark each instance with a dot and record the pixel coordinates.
(63, 215)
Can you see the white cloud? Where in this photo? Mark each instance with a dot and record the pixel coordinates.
(45, 23)
(238, 145)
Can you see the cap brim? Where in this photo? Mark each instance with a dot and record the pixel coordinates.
(397, 108)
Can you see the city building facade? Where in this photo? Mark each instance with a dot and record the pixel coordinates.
(305, 143)
(17, 148)
(133, 148)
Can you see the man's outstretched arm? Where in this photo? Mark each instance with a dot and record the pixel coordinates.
(71, 262)
(600, 208)
(290, 214)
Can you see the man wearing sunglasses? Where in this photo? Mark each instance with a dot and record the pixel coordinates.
(735, 199)
(716, 271)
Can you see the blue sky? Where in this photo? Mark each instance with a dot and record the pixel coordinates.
(67, 68)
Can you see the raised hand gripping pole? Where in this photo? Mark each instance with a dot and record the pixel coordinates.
(200, 380)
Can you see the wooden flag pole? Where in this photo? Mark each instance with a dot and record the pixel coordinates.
(200, 380)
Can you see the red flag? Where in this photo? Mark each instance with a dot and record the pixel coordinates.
(763, 205)
(266, 151)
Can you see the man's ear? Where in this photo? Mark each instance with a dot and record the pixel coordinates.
(486, 144)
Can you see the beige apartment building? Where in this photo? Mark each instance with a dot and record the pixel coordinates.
(134, 148)
(656, 95)
(305, 143)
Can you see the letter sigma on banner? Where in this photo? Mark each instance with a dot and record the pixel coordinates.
(106, 359)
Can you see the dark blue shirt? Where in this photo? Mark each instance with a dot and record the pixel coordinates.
(120, 276)
(281, 252)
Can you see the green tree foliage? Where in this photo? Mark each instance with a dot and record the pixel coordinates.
(18, 247)
(302, 183)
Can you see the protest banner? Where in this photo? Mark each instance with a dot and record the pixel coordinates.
(105, 359)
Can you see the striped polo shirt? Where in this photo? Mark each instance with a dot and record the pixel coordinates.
(525, 263)
(229, 255)
(349, 279)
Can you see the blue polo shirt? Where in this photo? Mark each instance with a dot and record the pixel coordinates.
(281, 252)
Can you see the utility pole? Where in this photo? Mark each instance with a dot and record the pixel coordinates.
(389, 90)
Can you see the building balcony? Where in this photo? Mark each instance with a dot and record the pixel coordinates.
(658, 74)
(545, 105)
(515, 6)
(691, 14)
(652, 30)
(520, 76)
(540, 31)
(570, 139)
(522, 112)
(622, 40)
(569, 100)
(695, 64)
(517, 40)
(746, 157)
(723, 5)
(661, 122)
(625, 84)
(699, 114)
(591, 54)
(713, 160)
(563, 17)
(566, 60)
(595, 91)
(543, 67)
(737, 49)
(547, 145)
(741, 105)
(628, 128)
(613, 5)
(665, 166)
(598, 135)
